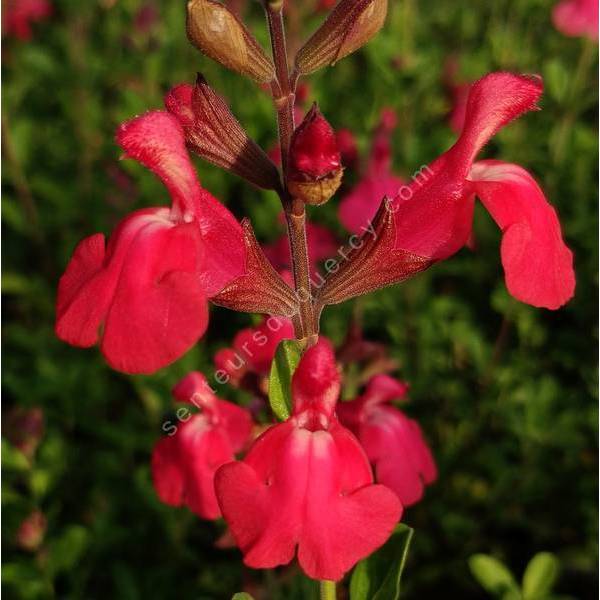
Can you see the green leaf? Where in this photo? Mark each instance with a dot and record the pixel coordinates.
(12, 458)
(377, 577)
(492, 575)
(242, 596)
(540, 575)
(65, 551)
(286, 360)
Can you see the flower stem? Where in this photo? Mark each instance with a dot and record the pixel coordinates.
(327, 590)
(283, 90)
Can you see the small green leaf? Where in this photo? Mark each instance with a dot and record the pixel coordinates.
(284, 364)
(242, 596)
(377, 577)
(12, 458)
(65, 551)
(492, 575)
(540, 575)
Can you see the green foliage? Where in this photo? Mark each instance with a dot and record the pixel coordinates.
(286, 360)
(506, 394)
(538, 580)
(378, 576)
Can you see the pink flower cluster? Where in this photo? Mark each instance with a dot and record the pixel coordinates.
(273, 499)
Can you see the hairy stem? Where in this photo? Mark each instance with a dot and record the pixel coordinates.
(327, 590)
(283, 95)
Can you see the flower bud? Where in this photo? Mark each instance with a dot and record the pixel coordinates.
(315, 171)
(31, 532)
(350, 25)
(219, 34)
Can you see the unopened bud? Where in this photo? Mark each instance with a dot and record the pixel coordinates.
(315, 170)
(351, 24)
(219, 34)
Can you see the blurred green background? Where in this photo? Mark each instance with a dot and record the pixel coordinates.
(506, 394)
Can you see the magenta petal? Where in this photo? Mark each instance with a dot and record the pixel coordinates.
(203, 448)
(159, 309)
(316, 381)
(84, 294)
(384, 388)
(156, 139)
(347, 517)
(306, 488)
(433, 217)
(577, 18)
(167, 474)
(537, 263)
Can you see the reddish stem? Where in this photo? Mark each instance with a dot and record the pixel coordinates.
(283, 89)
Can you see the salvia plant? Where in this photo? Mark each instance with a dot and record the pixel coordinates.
(326, 483)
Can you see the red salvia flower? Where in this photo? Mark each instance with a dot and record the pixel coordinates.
(184, 462)
(577, 18)
(148, 288)
(393, 442)
(433, 216)
(18, 16)
(253, 349)
(306, 484)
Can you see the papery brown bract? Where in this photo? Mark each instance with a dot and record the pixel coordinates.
(218, 33)
(149, 287)
(184, 463)
(306, 484)
(212, 132)
(349, 26)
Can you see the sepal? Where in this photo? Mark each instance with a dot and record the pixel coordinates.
(213, 132)
(219, 34)
(261, 289)
(350, 25)
(374, 262)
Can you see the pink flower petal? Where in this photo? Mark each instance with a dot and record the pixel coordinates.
(159, 309)
(577, 18)
(156, 139)
(537, 263)
(433, 217)
(167, 474)
(316, 381)
(84, 294)
(291, 490)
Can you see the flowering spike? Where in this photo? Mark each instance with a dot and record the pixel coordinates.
(315, 170)
(261, 289)
(350, 25)
(212, 132)
(219, 34)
